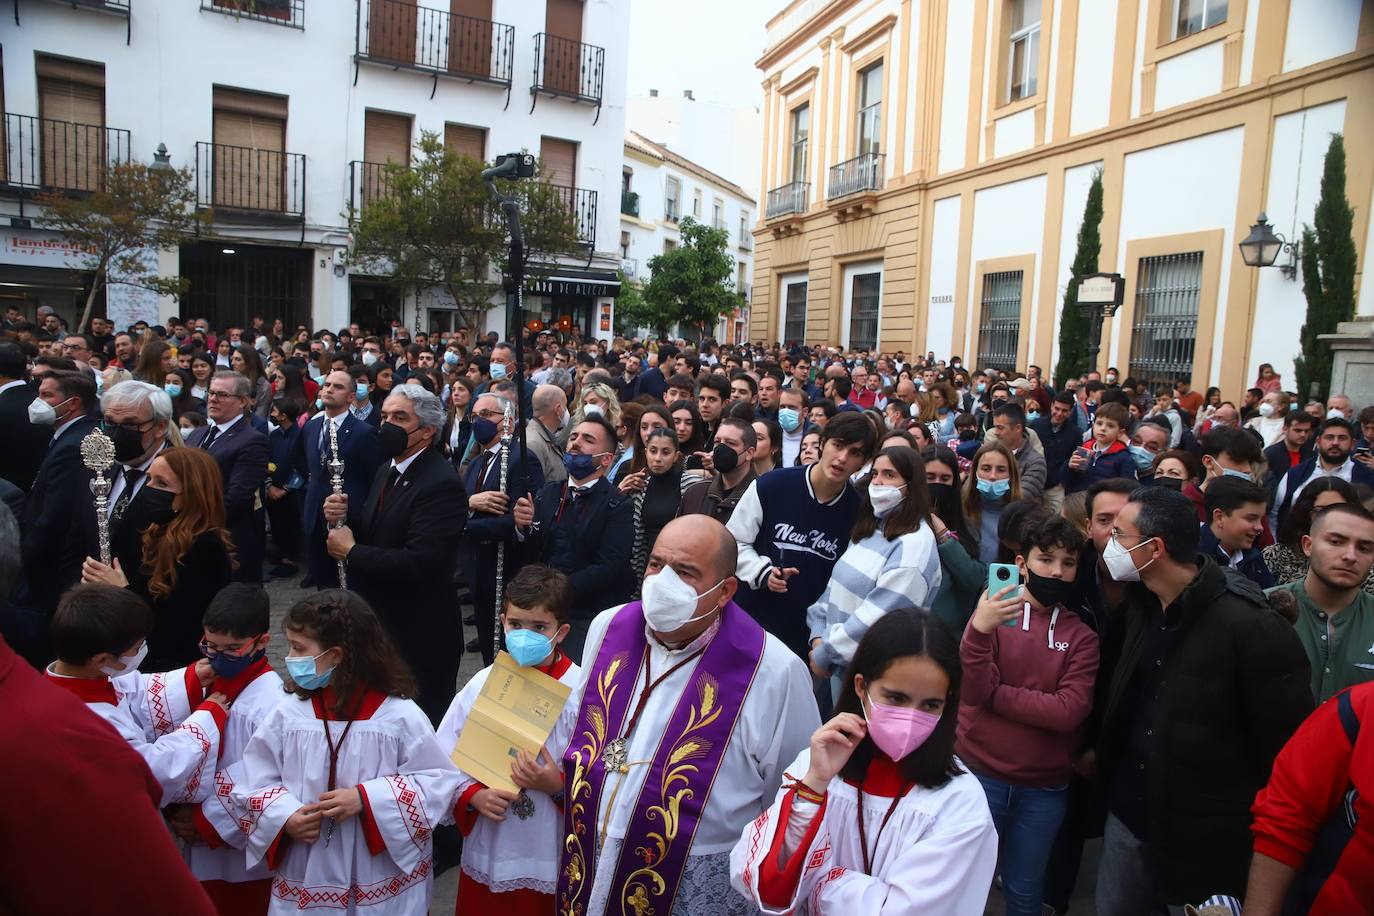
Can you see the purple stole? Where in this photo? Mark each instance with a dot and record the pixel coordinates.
(684, 767)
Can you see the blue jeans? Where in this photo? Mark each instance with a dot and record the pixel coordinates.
(1027, 820)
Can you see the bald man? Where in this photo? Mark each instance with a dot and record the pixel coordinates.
(550, 405)
(727, 708)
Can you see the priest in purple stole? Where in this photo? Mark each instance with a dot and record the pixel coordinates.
(688, 714)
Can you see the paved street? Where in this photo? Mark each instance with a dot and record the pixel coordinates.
(285, 591)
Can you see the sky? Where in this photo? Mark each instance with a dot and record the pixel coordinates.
(707, 46)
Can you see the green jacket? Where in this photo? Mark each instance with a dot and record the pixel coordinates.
(1339, 648)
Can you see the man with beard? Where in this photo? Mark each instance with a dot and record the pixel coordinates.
(1335, 442)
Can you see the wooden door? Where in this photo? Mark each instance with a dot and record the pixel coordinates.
(470, 37)
(391, 30)
(563, 46)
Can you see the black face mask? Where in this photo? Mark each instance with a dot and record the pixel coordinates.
(967, 435)
(150, 506)
(1168, 483)
(128, 443)
(724, 458)
(391, 440)
(1049, 591)
(940, 493)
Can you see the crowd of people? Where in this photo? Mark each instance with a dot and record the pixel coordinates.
(845, 631)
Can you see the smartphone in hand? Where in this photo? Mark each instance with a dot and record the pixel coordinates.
(1000, 575)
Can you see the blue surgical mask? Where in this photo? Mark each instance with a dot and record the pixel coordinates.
(498, 371)
(994, 489)
(1232, 472)
(319, 404)
(229, 666)
(173, 391)
(527, 647)
(980, 387)
(302, 671)
(1144, 459)
(362, 391)
(789, 419)
(1032, 415)
(450, 358)
(579, 467)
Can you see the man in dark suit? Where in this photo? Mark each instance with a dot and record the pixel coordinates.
(581, 527)
(401, 544)
(490, 520)
(1292, 450)
(241, 452)
(60, 490)
(284, 486)
(25, 443)
(357, 448)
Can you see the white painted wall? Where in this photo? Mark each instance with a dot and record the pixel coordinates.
(1077, 181)
(1142, 28)
(954, 98)
(1247, 49)
(1295, 170)
(914, 43)
(1092, 88)
(1188, 76)
(1014, 133)
(996, 234)
(944, 275)
(725, 139)
(1319, 30)
(1188, 186)
(847, 297)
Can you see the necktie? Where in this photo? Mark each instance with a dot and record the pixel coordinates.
(486, 468)
(131, 478)
(390, 485)
(210, 437)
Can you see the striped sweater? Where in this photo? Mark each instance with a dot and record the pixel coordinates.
(872, 577)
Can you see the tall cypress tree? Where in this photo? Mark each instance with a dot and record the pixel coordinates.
(1328, 272)
(1074, 326)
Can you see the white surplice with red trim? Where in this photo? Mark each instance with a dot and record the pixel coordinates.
(220, 820)
(379, 861)
(936, 854)
(519, 852)
(162, 717)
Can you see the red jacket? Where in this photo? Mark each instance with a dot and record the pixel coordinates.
(1311, 781)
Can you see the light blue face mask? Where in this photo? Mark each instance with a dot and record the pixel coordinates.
(1032, 416)
(789, 419)
(450, 358)
(1144, 459)
(527, 647)
(319, 404)
(994, 489)
(173, 391)
(498, 371)
(1232, 472)
(302, 671)
(362, 391)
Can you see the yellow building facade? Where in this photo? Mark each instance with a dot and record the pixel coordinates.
(927, 163)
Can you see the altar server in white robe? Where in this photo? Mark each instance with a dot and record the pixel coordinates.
(877, 816)
(99, 632)
(344, 781)
(687, 715)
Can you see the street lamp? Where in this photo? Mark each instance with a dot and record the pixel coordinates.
(1099, 296)
(1262, 246)
(162, 160)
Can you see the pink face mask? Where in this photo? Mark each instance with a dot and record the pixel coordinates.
(897, 730)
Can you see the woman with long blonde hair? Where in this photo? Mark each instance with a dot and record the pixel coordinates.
(186, 553)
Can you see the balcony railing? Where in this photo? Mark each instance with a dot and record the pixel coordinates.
(44, 154)
(401, 34)
(581, 202)
(629, 203)
(567, 68)
(746, 241)
(118, 7)
(263, 181)
(862, 173)
(790, 198)
(278, 12)
(367, 181)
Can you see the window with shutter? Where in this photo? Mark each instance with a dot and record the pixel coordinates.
(392, 28)
(470, 37)
(466, 141)
(563, 48)
(560, 161)
(71, 106)
(386, 137)
(250, 145)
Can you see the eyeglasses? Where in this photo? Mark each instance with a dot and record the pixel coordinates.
(210, 651)
(130, 427)
(491, 412)
(223, 394)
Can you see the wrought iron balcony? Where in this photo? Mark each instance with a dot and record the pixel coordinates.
(118, 7)
(278, 12)
(629, 203)
(581, 202)
(398, 34)
(255, 181)
(788, 199)
(42, 154)
(862, 173)
(746, 241)
(671, 212)
(367, 181)
(567, 69)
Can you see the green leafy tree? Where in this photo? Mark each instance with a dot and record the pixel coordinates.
(433, 224)
(631, 309)
(1074, 326)
(692, 285)
(120, 227)
(1328, 273)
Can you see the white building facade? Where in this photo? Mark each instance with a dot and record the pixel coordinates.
(285, 110)
(659, 188)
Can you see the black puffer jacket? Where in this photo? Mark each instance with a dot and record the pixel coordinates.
(1235, 685)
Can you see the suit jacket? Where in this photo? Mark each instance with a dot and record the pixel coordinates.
(59, 493)
(282, 443)
(26, 443)
(406, 553)
(1277, 460)
(596, 532)
(545, 447)
(357, 447)
(489, 529)
(241, 453)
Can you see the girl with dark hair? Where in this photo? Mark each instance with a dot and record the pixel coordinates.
(690, 427)
(891, 562)
(633, 473)
(178, 387)
(769, 453)
(963, 575)
(338, 780)
(810, 451)
(246, 361)
(877, 816)
(202, 367)
(657, 502)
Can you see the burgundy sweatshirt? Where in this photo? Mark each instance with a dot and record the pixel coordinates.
(1025, 698)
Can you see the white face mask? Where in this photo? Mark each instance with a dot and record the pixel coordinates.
(1266, 409)
(369, 357)
(41, 413)
(1335, 413)
(1119, 562)
(592, 410)
(884, 498)
(669, 602)
(128, 663)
